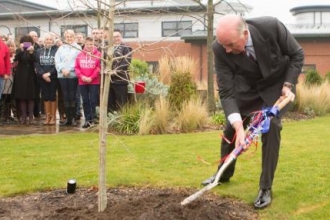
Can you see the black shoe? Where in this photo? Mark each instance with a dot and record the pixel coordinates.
(263, 199)
(77, 117)
(66, 122)
(212, 178)
(86, 125)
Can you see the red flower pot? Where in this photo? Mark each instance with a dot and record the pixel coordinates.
(140, 87)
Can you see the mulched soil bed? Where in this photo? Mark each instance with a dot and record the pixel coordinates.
(123, 204)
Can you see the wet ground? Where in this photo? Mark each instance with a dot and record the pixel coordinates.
(14, 128)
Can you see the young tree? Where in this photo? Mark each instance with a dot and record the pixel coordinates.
(209, 6)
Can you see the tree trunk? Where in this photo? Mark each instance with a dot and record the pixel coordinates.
(103, 125)
(210, 74)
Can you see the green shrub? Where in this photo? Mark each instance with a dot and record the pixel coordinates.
(313, 78)
(139, 69)
(218, 118)
(182, 88)
(126, 121)
(153, 90)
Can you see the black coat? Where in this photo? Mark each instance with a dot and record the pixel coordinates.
(25, 76)
(122, 58)
(244, 86)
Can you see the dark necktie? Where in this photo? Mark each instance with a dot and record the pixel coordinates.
(250, 56)
(249, 52)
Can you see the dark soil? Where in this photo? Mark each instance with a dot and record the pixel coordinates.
(123, 204)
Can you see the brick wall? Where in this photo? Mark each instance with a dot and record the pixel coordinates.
(317, 51)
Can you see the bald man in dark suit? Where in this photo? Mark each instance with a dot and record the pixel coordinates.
(256, 61)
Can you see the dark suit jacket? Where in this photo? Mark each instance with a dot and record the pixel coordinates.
(122, 59)
(244, 86)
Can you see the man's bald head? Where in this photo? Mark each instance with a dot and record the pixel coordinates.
(232, 33)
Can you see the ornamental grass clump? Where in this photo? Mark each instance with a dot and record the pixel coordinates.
(313, 99)
(193, 115)
(146, 121)
(162, 116)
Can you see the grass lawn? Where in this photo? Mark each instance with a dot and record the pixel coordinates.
(300, 190)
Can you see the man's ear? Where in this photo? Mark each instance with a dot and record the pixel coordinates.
(246, 33)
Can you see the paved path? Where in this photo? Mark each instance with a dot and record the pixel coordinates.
(14, 128)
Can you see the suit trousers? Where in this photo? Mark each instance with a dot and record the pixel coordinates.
(270, 151)
(118, 97)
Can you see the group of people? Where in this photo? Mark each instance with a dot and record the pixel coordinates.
(65, 72)
(256, 62)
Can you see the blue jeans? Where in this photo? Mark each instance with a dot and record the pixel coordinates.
(78, 102)
(89, 94)
(1, 86)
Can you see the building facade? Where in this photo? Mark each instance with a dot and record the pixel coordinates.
(164, 28)
(312, 30)
(155, 26)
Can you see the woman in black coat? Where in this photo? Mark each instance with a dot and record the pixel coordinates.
(25, 79)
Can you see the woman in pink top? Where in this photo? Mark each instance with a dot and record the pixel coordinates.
(87, 68)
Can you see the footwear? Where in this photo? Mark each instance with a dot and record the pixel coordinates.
(52, 113)
(77, 117)
(67, 122)
(69, 119)
(87, 125)
(47, 111)
(263, 199)
(212, 178)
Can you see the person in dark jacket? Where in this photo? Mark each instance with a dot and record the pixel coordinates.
(122, 56)
(45, 67)
(25, 79)
(37, 102)
(256, 61)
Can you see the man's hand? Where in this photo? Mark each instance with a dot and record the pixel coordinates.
(240, 134)
(6, 76)
(286, 92)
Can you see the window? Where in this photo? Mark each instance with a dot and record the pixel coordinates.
(75, 28)
(21, 31)
(176, 28)
(152, 66)
(308, 67)
(128, 30)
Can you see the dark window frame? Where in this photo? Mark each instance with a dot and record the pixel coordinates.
(308, 67)
(177, 31)
(153, 66)
(25, 31)
(74, 28)
(125, 30)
